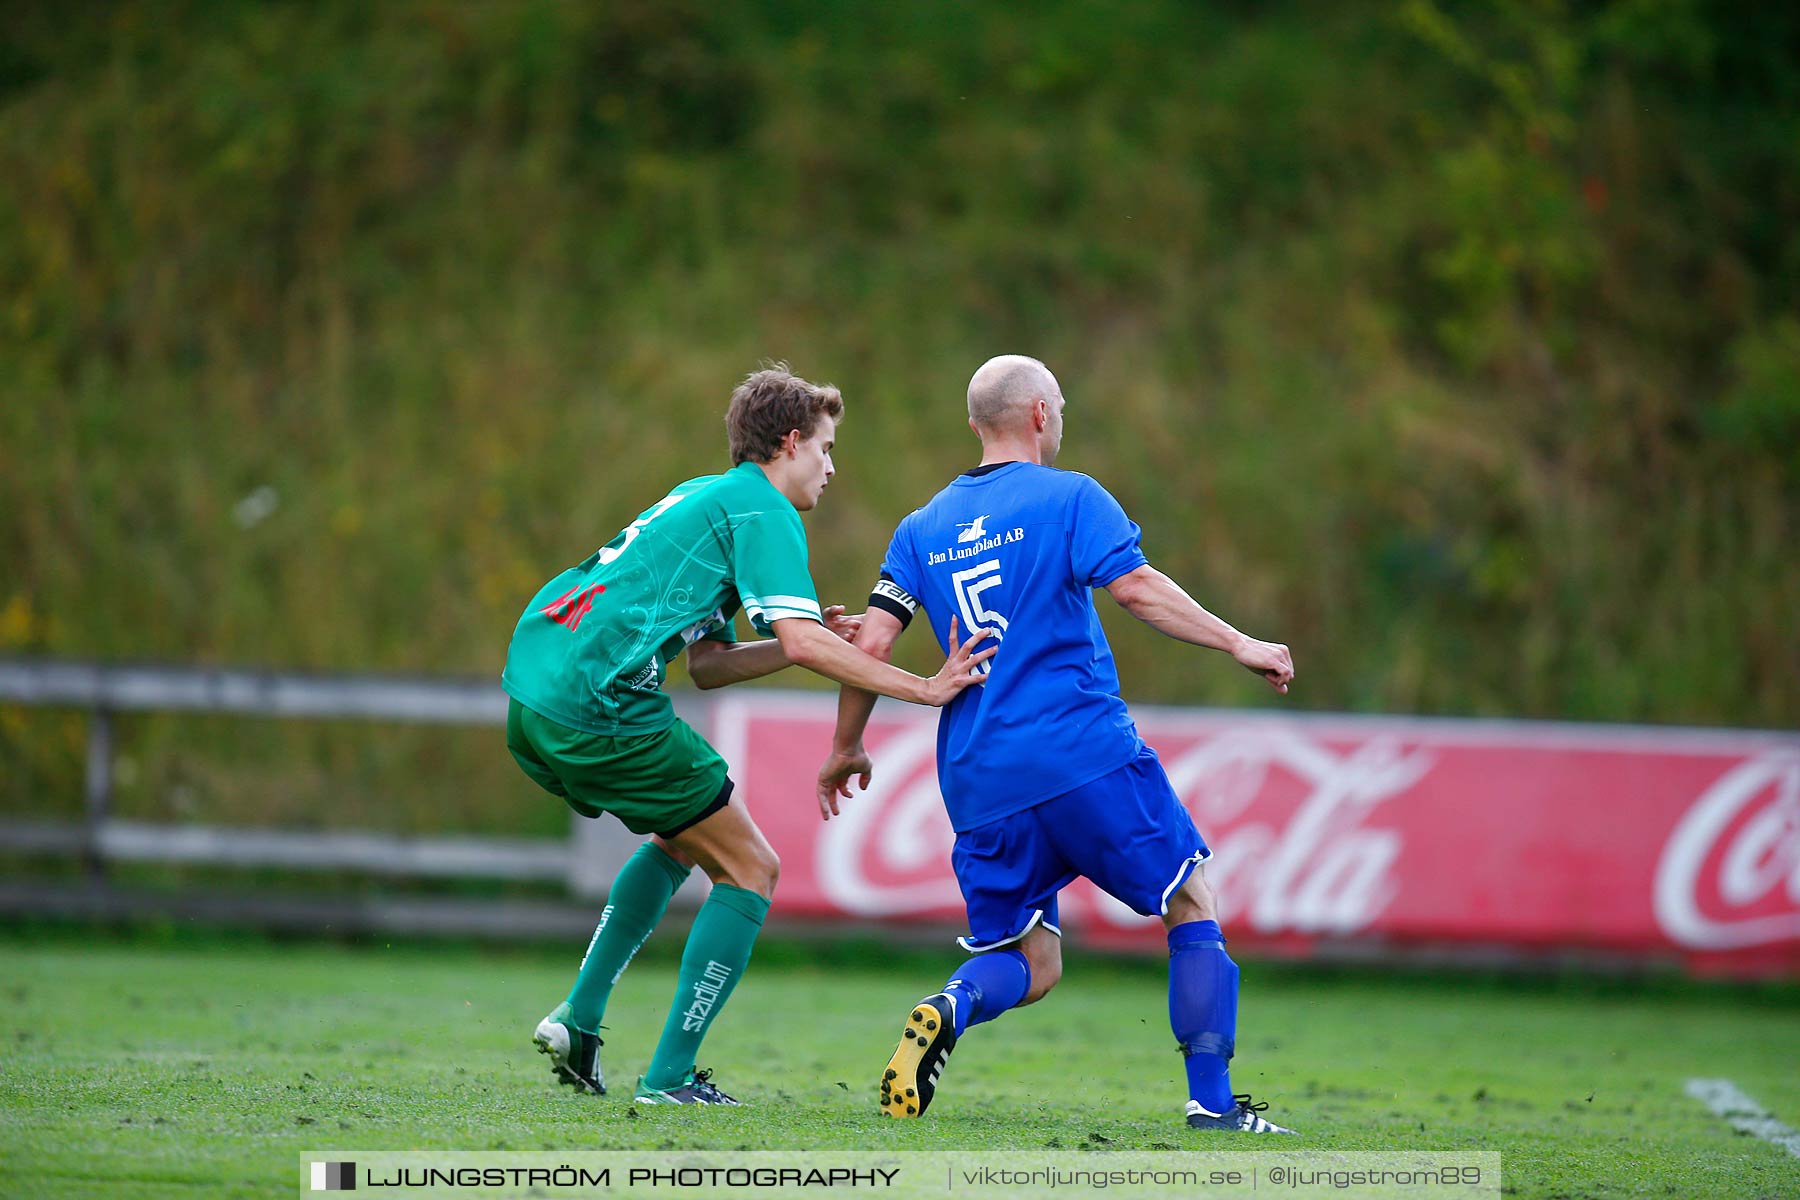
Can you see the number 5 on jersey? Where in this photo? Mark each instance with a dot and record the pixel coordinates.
(970, 583)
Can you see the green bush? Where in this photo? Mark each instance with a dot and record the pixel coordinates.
(1451, 343)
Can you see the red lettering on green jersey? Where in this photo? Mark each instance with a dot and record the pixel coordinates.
(568, 609)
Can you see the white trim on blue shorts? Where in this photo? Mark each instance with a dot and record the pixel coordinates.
(1181, 876)
(1037, 918)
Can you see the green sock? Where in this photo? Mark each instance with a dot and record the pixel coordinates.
(718, 950)
(636, 902)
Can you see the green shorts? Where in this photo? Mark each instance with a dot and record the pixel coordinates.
(658, 782)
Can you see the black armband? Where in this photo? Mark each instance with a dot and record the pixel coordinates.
(891, 598)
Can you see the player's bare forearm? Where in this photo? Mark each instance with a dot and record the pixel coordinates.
(717, 664)
(875, 638)
(809, 645)
(1165, 606)
(855, 707)
(848, 760)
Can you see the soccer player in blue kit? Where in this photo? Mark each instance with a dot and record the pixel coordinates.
(1042, 770)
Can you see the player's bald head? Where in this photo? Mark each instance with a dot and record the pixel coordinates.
(1006, 389)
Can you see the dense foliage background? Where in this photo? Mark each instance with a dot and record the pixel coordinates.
(1454, 344)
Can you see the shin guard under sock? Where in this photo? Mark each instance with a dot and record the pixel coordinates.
(1203, 987)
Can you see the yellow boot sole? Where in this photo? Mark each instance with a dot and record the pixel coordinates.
(910, 1080)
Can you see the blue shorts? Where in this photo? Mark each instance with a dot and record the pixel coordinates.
(1126, 831)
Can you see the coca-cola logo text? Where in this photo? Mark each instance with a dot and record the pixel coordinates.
(1729, 876)
(1296, 847)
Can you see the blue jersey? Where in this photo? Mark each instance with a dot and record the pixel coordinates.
(1017, 549)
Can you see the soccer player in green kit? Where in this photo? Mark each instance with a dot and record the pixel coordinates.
(589, 721)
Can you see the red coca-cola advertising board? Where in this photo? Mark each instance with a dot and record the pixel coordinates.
(1335, 832)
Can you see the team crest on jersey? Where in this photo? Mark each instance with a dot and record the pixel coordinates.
(645, 680)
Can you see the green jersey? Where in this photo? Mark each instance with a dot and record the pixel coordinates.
(592, 648)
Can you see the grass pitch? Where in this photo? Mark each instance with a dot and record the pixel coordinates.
(206, 1068)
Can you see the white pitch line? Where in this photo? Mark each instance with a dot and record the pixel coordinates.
(1724, 1098)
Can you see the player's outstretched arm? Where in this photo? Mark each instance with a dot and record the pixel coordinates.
(717, 664)
(848, 759)
(1160, 603)
(809, 644)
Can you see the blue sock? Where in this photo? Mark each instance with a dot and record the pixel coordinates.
(987, 985)
(1203, 988)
